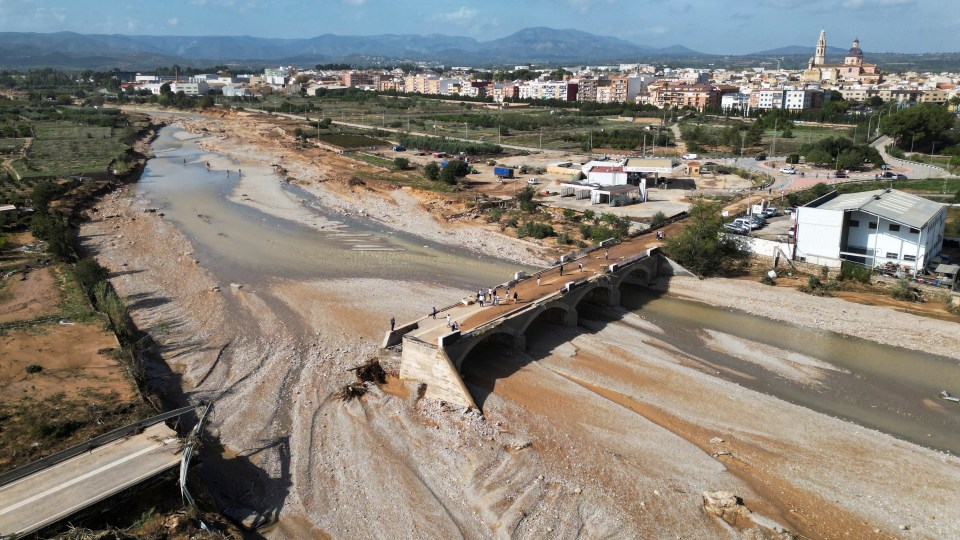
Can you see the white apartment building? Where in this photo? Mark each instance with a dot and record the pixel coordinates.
(870, 228)
(561, 90)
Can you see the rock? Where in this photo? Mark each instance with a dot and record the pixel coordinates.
(578, 491)
(726, 505)
(520, 445)
(716, 440)
(236, 286)
(904, 527)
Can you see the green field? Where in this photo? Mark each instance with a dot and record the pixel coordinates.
(349, 140)
(11, 146)
(63, 149)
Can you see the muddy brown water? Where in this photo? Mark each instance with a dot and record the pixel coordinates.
(240, 243)
(890, 389)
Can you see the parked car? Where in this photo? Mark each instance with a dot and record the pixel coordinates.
(748, 223)
(841, 174)
(761, 157)
(735, 229)
(771, 211)
(901, 177)
(689, 156)
(532, 181)
(788, 170)
(399, 148)
(888, 174)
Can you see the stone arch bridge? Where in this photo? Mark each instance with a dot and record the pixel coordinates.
(435, 357)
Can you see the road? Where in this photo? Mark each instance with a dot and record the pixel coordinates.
(33, 502)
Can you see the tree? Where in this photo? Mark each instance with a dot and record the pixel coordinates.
(454, 170)
(924, 124)
(525, 200)
(658, 219)
(401, 163)
(875, 101)
(432, 171)
(55, 233)
(793, 159)
(42, 194)
(165, 89)
(702, 247)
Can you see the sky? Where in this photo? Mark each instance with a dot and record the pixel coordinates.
(711, 26)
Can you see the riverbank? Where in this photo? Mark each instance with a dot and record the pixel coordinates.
(262, 151)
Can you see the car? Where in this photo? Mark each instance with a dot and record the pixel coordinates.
(532, 181)
(901, 177)
(841, 174)
(748, 223)
(689, 156)
(788, 170)
(482, 139)
(761, 157)
(771, 211)
(399, 148)
(888, 174)
(790, 210)
(735, 229)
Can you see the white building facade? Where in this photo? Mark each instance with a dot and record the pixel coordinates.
(872, 228)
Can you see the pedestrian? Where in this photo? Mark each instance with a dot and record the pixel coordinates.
(393, 323)
(606, 254)
(456, 326)
(538, 281)
(581, 267)
(561, 269)
(434, 313)
(448, 320)
(489, 293)
(514, 297)
(480, 300)
(506, 294)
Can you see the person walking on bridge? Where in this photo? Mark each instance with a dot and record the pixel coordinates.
(393, 323)
(448, 320)
(561, 269)
(434, 314)
(581, 267)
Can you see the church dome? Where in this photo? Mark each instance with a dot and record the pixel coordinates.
(855, 50)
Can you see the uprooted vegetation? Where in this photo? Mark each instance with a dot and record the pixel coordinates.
(367, 374)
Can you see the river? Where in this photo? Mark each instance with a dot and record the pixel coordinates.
(887, 388)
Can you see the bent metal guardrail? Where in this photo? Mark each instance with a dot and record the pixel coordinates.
(59, 457)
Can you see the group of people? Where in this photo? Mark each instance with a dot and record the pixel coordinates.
(491, 297)
(660, 235)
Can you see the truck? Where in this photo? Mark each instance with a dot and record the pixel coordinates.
(399, 148)
(503, 172)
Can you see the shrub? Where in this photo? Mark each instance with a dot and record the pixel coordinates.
(854, 272)
(535, 229)
(525, 200)
(564, 238)
(767, 280)
(589, 215)
(34, 368)
(511, 222)
(793, 159)
(89, 273)
(658, 219)
(494, 215)
(569, 214)
(401, 163)
(586, 231)
(903, 291)
(432, 171)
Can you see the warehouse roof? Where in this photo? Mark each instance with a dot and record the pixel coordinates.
(890, 204)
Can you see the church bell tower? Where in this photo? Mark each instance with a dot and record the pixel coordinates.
(820, 58)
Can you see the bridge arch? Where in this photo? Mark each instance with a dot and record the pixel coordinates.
(639, 275)
(596, 291)
(558, 312)
(458, 354)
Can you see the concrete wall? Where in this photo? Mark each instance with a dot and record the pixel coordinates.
(424, 362)
(759, 246)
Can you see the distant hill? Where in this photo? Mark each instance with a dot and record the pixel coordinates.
(795, 50)
(72, 50)
(69, 50)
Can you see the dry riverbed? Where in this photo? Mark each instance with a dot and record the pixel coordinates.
(604, 430)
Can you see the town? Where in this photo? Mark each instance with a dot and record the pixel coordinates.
(496, 299)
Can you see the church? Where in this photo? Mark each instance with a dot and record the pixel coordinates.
(853, 69)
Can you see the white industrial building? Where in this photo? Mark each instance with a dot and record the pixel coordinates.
(871, 228)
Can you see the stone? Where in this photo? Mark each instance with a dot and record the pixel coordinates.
(716, 440)
(725, 505)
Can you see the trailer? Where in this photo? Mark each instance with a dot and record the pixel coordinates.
(503, 172)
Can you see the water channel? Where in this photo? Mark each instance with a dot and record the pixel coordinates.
(893, 390)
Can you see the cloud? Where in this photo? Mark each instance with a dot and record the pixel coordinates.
(657, 30)
(356, 3)
(857, 4)
(173, 21)
(461, 16)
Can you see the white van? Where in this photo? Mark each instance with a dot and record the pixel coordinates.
(689, 156)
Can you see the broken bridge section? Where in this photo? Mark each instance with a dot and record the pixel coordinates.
(433, 353)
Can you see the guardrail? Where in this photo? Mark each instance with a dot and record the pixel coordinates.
(81, 448)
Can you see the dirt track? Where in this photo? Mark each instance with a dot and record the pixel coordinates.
(600, 431)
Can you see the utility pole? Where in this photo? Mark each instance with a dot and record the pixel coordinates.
(541, 137)
(743, 141)
(465, 136)
(773, 146)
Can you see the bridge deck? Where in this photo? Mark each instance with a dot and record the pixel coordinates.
(51, 494)
(472, 316)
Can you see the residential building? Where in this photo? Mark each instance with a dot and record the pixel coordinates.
(870, 228)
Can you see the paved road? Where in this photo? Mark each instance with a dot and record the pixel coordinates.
(912, 169)
(36, 501)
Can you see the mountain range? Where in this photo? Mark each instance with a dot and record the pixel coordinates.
(544, 45)
(69, 50)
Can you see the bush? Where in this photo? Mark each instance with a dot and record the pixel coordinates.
(903, 291)
(564, 238)
(569, 215)
(511, 222)
(767, 280)
(401, 163)
(894, 151)
(854, 272)
(793, 159)
(55, 233)
(34, 368)
(658, 219)
(89, 273)
(535, 229)
(432, 171)
(494, 215)
(701, 246)
(589, 215)
(525, 200)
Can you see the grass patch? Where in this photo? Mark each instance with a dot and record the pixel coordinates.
(63, 149)
(347, 140)
(74, 303)
(372, 159)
